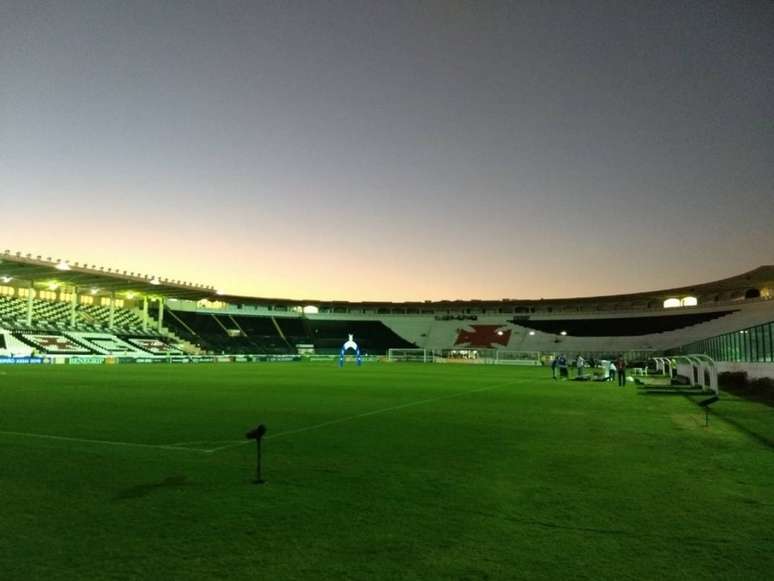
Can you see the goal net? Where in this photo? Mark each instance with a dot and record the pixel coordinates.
(410, 355)
(466, 355)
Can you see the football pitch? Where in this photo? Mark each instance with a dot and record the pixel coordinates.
(388, 471)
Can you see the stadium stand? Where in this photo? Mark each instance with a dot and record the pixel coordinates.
(620, 326)
(265, 334)
(374, 337)
(71, 313)
(226, 333)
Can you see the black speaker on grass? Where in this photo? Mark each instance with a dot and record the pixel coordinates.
(257, 434)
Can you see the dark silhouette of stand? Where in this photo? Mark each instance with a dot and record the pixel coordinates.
(257, 435)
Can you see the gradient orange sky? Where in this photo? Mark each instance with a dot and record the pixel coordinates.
(392, 151)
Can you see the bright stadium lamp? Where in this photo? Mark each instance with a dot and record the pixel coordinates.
(94, 291)
(6, 278)
(53, 286)
(62, 265)
(532, 333)
(155, 280)
(563, 333)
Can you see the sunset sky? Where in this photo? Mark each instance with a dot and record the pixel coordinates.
(392, 150)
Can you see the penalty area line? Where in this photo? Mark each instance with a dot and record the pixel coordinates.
(103, 442)
(238, 443)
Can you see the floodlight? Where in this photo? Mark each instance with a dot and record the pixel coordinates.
(62, 265)
(6, 278)
(155, 281)
(53, 286)
(94, 291)
(532, 332)
(563, 333)
(499, 333)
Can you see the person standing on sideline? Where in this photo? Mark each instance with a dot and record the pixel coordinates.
(579, 363)
(554, 363)
(620, 365)
(562, 367)
(611, 368)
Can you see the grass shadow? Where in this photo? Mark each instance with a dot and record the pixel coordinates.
(681, 392)
(142, 490)
(760, 438)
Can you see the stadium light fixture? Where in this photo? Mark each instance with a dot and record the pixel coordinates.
(155, 281)
(500, 333)
(94, 291)
(62, 265)
(532, 333)
(563, 333)
(53, 286)
(6, 278)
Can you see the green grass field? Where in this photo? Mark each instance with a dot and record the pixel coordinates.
(389, 471)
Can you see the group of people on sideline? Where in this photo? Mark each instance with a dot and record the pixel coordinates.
(611, 370)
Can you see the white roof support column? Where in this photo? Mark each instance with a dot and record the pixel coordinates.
(30, 292)
(112, 318)
(73, 305)
(161, 314)
(144, 313)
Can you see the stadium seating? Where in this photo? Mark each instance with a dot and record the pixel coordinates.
(55, 316)
(227, 334)
(373, 337)
(620, 326)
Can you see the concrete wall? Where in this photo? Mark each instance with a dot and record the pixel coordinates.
(753, 370)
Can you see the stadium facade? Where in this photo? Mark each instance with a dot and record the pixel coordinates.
(61, 310)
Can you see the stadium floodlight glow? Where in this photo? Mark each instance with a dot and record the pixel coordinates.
(6, 278)
(532, 333)
(155, 281)
(563, 333)
(311, 310)
(62, 265)
(94, 291)
(53, 286)
(130, 295)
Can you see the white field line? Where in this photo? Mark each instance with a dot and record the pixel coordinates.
(237, 443)
(102, 442)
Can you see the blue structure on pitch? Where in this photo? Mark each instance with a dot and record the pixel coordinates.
(350, 344)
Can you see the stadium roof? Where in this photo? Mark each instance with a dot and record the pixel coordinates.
(25, 267)
(761, 277)
(47, 270)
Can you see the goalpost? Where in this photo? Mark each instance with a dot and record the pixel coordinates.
(465, 355)
(410, 355)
